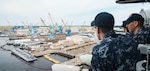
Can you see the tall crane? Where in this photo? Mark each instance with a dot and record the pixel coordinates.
(24, 24)
(67, 28)
(65, 25)
(54, 26)
(51, 19)
(44, 24)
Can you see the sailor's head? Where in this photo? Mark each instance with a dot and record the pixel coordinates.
(135, 20)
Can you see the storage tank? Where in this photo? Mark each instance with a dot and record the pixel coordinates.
(146, 15)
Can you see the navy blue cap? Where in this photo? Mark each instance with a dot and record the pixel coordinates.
(92, 23)
(104, 20)
(124, 23)
(135, 17)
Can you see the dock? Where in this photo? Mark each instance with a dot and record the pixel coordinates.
(65, 50)
(27, 57)
(74, 52)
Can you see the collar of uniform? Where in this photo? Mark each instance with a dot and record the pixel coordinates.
(140, 30)
(112, 32)
(129, 34)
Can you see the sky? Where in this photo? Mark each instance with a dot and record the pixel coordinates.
(72, 12)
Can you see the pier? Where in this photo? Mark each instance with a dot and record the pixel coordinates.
(66, 50)
(23, 55)
(73, 52)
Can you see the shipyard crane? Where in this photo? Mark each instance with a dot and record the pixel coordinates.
(33, 31)
(25, 24)
(60, 28)
(44, 24)
(54, 26)
(51, 19)
(48, 30)
(65, 25)
(67, 29)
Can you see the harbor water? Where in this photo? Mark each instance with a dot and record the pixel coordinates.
(10, 62)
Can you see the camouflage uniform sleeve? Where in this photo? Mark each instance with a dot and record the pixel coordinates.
(126, 54)
(95, 59)
(94, 63)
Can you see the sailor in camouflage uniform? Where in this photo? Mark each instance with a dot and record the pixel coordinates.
(135, 25)
(141, 34)
(114, 52)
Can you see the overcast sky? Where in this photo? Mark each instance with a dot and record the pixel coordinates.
(73, 12)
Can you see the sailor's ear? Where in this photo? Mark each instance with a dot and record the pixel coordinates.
(135, 23)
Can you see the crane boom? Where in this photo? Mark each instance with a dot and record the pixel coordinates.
(44, 24)
(51, 19)
(65, 26)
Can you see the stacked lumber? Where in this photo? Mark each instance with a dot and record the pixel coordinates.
(77, 39)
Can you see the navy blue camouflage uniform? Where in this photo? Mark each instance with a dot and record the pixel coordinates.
(143, 36)
(115, 53)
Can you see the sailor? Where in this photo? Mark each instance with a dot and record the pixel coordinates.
(135, 25)
(113, 53)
